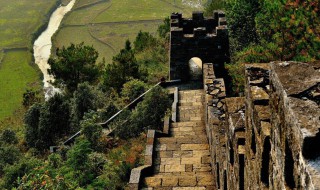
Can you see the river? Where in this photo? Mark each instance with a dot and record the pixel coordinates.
(43, 44)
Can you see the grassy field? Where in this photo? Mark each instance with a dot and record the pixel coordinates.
(107, 24)
(19, 21)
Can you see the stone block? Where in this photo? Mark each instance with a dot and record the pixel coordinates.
(193, 160)
(194, 146)
(170, 161)
(206, 159)
(174, 168)
(205, 180)
(170, 181)
(189, 167)
(172, 147)
(187, 181)
(182, 154)
(166, 154)
(152, 181)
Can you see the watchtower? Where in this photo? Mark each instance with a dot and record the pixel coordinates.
(205, 38)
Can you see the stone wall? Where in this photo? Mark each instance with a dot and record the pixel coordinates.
(270, 138)
(215, 123)
(205, 38)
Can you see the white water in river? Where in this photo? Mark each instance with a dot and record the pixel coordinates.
(42, 47)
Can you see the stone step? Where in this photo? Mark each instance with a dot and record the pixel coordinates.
(188, 124)
(179, 188)
(190, 118)
(186, 134)
(198, 105)
(182, 180)
(175, 146)
(200, 139)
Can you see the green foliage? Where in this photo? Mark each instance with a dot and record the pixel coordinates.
(147, 115)
(294, 28)
(47, 123)
(164, 29)
(212, 5)
(85, 98)
(73, 65)
(91, 130)
(54, 160)
(132, 89)
(8, 136)
(9, 155)
(30, 97)
(14, 172)
(143, 40)
(31, 120)
(123, 68)
(241, 21)
(78, 155)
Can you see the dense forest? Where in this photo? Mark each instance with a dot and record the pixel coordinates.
(260, 31)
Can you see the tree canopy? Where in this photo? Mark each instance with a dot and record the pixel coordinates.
(73, 65)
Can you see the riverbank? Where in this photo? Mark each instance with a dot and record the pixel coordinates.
(42, 47)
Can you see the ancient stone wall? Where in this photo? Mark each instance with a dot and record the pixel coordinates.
(205, 38)
(270, 138)
(215, 123)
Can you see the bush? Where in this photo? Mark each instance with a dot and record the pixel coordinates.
(132, 89)
(18, 170)
(147, 115)
(8, 136)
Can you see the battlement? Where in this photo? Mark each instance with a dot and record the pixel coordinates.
(205, 38)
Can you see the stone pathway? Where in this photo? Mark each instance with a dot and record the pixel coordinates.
(183, 160)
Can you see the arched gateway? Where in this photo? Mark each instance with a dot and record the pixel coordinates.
(205, 38)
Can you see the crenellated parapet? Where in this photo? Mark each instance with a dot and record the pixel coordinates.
(205, 38)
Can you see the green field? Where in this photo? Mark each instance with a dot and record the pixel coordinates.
(16, 75)
(107, 24)
(19, 21)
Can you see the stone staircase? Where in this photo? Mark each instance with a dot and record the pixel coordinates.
(182, 161)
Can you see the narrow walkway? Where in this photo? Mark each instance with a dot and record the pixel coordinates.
(183, 160)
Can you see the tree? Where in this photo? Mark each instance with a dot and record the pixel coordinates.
(164, 28)
(31, 120)
(91, 130)
(73, 65)
(132, 89)
(8, 136)
(148, 114)
(85, 98)
(46, 123)
(241, 16)
(124, 68)
(212, 5)
(143, 40)
(30, 97)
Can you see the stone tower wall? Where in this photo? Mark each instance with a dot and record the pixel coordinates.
(205, 38)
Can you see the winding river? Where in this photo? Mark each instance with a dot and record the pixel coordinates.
(42, 47)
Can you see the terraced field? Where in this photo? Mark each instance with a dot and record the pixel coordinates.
(106, 24)
(19, 22)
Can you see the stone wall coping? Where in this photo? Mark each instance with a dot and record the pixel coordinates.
(175, 104)
(136, 173)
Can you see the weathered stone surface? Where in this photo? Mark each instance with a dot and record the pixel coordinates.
(187, 181)
(194, 146)
(153, 181)
(170, 181)
(174, 168)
